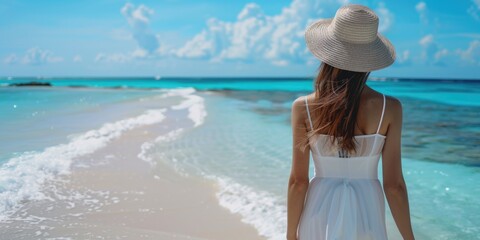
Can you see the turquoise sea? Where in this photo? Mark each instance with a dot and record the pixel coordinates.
(243, 141)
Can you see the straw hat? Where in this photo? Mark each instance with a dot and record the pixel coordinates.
(350, 40)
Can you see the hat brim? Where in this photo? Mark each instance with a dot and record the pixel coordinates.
(364, 57)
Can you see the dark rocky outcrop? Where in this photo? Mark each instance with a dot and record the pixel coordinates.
(31, 84)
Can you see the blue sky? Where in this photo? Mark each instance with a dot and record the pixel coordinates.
(433, 39)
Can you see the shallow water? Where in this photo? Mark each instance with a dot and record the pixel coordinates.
(245, 144)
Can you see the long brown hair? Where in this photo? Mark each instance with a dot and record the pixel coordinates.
(337, 98)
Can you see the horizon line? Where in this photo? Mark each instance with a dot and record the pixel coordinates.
(236, 77)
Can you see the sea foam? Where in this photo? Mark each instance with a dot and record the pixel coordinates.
(21, 178)
(170, 136)
(195, 105)
(196, 113)
(261, 209)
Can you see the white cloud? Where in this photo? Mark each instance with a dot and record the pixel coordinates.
(474, 9)
(37, 56)
(112, 58)
(404, 58)
(426, 40)
(11, 59)
(441, 54)
(77, 58)
(385, 17)
(432, 53)
(139, 53)
(421, 8)
(201, 45)
(139, 19)
(250, 10)
(34, 56)
(256, 36)
(472, 53)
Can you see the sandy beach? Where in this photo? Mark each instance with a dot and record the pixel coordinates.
(114, 193)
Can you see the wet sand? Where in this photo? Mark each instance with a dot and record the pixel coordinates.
(114, 194)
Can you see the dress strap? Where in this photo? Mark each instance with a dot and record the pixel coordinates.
(308, 112)
(383, 111)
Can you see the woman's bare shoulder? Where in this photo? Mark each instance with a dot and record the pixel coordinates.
(393, 113)
(298, 103)
(394, 105)
(298, 114)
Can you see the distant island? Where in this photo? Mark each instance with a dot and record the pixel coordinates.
(31, 84)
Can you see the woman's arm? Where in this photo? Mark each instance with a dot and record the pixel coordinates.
(393, 181)
(299, 180)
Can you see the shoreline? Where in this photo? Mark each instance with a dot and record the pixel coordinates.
(115, 193)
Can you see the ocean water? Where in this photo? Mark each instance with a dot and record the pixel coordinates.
(242, 140)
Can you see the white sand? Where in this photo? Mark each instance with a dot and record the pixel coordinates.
(123, 197)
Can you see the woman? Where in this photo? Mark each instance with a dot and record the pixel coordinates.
(347, 126)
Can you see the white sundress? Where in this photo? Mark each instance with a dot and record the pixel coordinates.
(345, 199)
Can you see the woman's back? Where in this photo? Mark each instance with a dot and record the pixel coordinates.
(369, 111)
(368, 149)
(344, 193)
